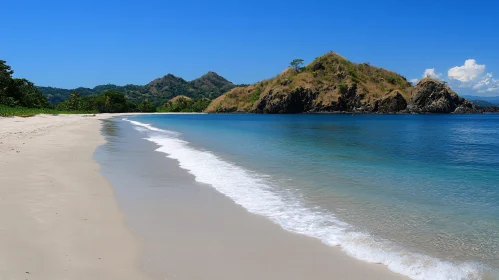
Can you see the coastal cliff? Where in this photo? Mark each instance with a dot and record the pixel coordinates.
(433, 96)
(331, 83)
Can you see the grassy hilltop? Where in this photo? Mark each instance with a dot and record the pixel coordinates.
(331, 83)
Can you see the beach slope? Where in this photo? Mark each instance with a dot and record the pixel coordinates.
(59, 216)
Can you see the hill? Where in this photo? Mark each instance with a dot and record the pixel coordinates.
(486, 106)
(331, 83)
(483, 103)
(180, 98)
(182, 103)
(491, 99)
(210, 85)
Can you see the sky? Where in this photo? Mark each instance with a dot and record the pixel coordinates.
(87, 43)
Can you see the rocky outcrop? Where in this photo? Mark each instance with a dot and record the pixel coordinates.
(390, 103)
(467, 107)
(490, 109)
(429, 96)
(432, 96)
(333, 84)
(350, 99)
(299, 100)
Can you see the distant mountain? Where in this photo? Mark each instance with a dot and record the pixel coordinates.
(490, 99)
(211, 85)
(483, 103)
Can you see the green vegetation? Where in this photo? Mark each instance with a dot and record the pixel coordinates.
(256, 94)
(6, 111)
(183, 104)
(343, 88)
(396, 80)
(146, 107)
(297, 64)
(157, 92)
(322, 85)
(19, 97)
(108, 102)
(18, 92)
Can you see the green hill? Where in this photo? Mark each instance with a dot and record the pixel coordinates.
(210, 85)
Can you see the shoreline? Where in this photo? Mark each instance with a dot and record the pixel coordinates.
(68, 219)
(185, 223)
(60, 219)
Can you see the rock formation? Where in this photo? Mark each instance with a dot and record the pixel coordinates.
(333, 84)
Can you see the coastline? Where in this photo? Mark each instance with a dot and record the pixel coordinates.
(186, 224)
(59, 216)
(69, 223)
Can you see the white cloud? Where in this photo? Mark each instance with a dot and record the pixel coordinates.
(489, 90)
(470, 77)
(431, 74)
(428, 73)
(485, 81)
(469, 72)
(487, 84)
(473, 76)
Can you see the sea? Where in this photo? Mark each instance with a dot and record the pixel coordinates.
(416, 193)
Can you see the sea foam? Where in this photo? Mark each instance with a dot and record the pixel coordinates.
(255, 194)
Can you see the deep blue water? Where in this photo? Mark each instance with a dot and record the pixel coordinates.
(418, 193)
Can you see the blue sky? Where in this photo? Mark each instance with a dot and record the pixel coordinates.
(86, 43)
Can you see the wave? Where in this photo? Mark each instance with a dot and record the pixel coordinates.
(255, 194)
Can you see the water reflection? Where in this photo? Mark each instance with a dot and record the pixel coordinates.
(112, 131)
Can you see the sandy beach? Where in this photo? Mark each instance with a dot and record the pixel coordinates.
(59, 216)
(61, 220)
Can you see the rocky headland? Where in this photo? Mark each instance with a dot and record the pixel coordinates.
(331, 83)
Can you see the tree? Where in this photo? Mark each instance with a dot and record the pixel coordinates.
(5, 83)
(146, 106)
(74, 101)
(27, 94)
(18, 92)
(297, 64)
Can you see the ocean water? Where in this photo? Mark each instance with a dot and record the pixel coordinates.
(417, 193)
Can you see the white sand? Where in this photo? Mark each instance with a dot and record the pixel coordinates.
(59, 220)
(58, 215)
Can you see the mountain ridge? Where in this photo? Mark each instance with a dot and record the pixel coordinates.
(157, 91)
(490, 99)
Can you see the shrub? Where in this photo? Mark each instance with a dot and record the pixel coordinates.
(392, 80)
(255, 95)
(343, 88)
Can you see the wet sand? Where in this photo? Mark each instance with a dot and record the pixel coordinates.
(61, 219)
(190, 231)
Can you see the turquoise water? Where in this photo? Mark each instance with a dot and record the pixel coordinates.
(417, 193)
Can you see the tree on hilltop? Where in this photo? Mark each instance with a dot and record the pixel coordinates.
(297, 64)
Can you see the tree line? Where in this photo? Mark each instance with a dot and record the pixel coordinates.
(18, 92)
(21, 93)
